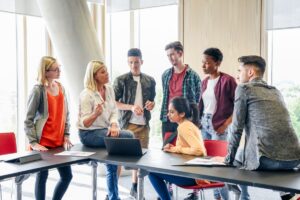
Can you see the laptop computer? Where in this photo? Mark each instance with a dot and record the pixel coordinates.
(23, 157)
(124, 146)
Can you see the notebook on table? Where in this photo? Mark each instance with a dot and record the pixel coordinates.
(23, 157)
(124, 146)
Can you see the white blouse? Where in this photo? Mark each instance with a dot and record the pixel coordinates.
(88, 102)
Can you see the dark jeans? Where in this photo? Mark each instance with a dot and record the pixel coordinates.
(270, 164)
(60, 188)
(264, 164)
(158, 182)
(94, 138)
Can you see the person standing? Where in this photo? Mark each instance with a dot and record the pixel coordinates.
(47, 123)
(178, 81)
(216, 103)
(135, 93)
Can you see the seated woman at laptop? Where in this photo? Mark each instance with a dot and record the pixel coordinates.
(98, 117)
(189, 141)
(47, 123)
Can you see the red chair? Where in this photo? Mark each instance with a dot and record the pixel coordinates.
(170, 137)
(213, 148)
(7, 143)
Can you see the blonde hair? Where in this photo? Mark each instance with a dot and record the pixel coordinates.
(45, 64)
(91, 69)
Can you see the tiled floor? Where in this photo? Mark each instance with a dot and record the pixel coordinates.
(80, 188)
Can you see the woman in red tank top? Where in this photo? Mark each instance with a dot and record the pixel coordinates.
(47, 123)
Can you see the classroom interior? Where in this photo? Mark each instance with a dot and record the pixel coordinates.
(77, 31)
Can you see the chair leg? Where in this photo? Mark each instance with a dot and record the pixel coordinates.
(176, 193)
(202, 196)
(0, 192)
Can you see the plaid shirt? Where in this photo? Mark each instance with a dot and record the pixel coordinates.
(191, 89)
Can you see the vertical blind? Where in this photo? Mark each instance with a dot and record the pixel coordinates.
(283, 14)
(27, 7)
(126, 5)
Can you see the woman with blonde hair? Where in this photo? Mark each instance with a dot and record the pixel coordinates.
(47, 123)
(98, 117)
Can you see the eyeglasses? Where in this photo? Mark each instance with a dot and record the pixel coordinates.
(54, 70)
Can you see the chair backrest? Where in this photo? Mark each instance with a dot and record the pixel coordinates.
(216, 147)
(7, 143)
(170, 137)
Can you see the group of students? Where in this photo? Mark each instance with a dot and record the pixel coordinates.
(123, 110)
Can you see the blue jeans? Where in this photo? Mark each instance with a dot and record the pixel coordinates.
(60, 188)
(270, 164)
(158, 182)
(208, 133)
(94, 138)
(265, 164)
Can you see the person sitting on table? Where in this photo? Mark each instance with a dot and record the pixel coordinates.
(271, 142)
(189, 141)
(47, 123)
(98, 117)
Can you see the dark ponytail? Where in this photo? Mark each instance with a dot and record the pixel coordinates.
(182, 105)
(194, 113)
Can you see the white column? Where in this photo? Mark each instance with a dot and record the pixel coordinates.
(74, 39)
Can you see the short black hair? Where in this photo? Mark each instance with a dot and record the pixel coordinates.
(174, 45)
(215, 53)
(134, 52)
(257, 61)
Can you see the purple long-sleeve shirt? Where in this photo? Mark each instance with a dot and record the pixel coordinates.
(224, 92)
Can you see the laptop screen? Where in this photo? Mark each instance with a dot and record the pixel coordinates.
(123, 146)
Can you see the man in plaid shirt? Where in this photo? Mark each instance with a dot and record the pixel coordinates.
(179, 80)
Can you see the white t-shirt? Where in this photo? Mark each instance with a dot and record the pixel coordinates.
(89, 100)
(209, 97)
(138, 119)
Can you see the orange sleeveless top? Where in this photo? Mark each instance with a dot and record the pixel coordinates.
(53, 131)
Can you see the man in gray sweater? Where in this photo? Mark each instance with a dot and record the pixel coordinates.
(271, 142)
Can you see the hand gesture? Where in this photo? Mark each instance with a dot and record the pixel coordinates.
(137, 110)
(149, 105)
(38, 147)
(67, 143)
(98, 109)
(168, 147)
(113, 130)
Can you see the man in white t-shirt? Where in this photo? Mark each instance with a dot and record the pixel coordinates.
(135, 93)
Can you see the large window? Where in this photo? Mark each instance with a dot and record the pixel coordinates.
(150, 30)
(22, 45)
(284, 48)
(8, 75)
(36, 46)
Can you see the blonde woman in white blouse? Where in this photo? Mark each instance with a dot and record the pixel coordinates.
(98, 117)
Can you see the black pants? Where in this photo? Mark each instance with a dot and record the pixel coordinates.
(60, 188)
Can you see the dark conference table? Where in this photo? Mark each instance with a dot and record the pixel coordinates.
(155, 161)
(21, 172)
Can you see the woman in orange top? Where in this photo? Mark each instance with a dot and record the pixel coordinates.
(47, 123)
(189, 141)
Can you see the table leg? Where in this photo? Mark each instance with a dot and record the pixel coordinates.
(18, 181)
(94, 165)
(141, 174)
